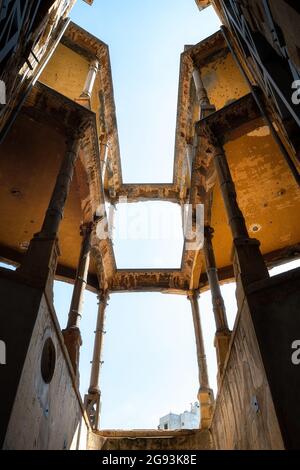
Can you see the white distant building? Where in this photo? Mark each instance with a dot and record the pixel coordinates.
(186, 420)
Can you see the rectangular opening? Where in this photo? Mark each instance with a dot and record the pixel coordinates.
(148, 235)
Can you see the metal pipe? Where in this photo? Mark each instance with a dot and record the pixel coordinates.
(98, 343)
(201, 356)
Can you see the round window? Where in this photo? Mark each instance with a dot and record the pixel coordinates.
(48, 360)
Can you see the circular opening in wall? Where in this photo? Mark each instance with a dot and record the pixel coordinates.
(48, 361)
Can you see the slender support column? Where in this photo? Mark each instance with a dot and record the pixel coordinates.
(104, 160)
(205, 394)
(205, 107)
(95, 372)
(92, 400)
(248, 262)
(212, 274)
(223, 334)
(60, 192)
(72, 334)
(40, 261)
(90, 79)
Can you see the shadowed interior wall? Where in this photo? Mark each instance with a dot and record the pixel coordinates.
(244, 417)
(274, 304)
(44, 415)
(258, 403)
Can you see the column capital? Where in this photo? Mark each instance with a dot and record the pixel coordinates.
(194, 294)
(94, 64)
(103, 296)
(215, 146)
(74, 135)
(86, 228)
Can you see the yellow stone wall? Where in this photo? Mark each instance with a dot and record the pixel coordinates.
(66, 72)
(223, 81)
(266, 191)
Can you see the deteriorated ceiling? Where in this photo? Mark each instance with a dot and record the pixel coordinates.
(33, 150)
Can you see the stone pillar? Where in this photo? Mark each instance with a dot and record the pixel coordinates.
(248, 262)
(223, 334)
(39, 263)
(72, 334)
(205, 394)
(90, 79)
(205, 107)
(92, 400)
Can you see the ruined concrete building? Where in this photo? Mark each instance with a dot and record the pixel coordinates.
(186, 420)
(237, 153)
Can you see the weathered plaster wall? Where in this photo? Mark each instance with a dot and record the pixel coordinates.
(244, 416)
(44, 416)
(18, 307)
(258, 403)
(275, 305)
(151, 440)
(223, 81)
(66, 72)
(267, 195)
(28, 172)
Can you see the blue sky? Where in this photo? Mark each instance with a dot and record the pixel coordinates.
(148, 235)
(145, 40)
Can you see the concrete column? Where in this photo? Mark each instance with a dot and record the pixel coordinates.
(249, 264)
(92, 400)
(205, 107)
(39, 263)
(223, 334)
(104, 160)
(72, 334)
(90, 79)
(205, 394)
(60, 192)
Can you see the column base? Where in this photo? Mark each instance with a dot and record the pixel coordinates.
(206, 400)
(248, 263)
(84, 100)
(92, 406)
(39, 264)
(73, 341)
(207, 109)
(221, 343)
